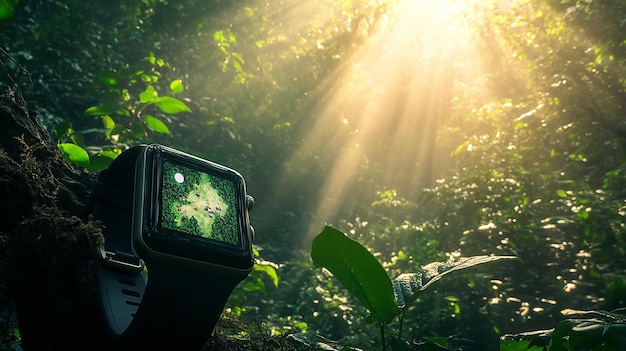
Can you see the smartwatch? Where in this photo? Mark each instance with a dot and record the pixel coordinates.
(177, 241)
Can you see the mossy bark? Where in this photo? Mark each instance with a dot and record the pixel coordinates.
(47, 240)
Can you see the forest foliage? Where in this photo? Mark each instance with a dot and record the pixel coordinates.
(524, 155)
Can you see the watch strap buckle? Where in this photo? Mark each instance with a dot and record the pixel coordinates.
(121, 260)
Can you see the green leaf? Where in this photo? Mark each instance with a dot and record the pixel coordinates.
(63, 128)
(439, 340)
(561, 193)
(408, 287)
(137, 131)
(156, 124)
(537, 338)
(253, 283)
(586, 335)
(100, 110)
(171, 105)
(122, 112)
(74, 154)
(219, 36)
(560, 334)
(109, 78)
(148, 96)
(146, 78)
(301, 326)
(108, 122)
(615, 334)
(117, 130)
(177, 86)
(358, 270)
(238, 58)
(77, 138)
(269, 271)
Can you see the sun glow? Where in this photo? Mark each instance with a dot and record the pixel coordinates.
(384, 104)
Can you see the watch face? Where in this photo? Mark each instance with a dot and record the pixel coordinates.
(200, 204)
(194, 209)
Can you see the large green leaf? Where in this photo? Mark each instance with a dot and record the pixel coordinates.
(407, 287)
(171, 105)
(358, 270)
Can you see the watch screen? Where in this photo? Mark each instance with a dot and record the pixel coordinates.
(198, 203)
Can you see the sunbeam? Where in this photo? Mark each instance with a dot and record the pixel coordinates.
(384, 104)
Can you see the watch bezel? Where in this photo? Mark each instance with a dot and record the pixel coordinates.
(157, 242)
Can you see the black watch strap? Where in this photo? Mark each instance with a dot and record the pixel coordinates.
(169, 305)
(176, 310)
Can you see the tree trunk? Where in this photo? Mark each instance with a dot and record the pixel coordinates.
(47, 239)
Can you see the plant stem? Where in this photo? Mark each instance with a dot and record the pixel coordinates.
(401, 324)
(382, 335)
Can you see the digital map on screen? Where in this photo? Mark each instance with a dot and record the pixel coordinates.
(197, 203)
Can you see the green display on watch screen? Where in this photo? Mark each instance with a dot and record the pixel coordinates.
(199, 204)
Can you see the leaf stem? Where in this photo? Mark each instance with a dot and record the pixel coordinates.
(382, 335)
(401, 324)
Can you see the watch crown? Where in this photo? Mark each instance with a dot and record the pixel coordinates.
(249, 202)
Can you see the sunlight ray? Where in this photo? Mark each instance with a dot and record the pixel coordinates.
(383, 105)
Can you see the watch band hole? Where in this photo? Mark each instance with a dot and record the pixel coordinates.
(132, 303)
(130, 293)
(125, 281)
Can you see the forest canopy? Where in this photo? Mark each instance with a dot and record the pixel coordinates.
(425, 130)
